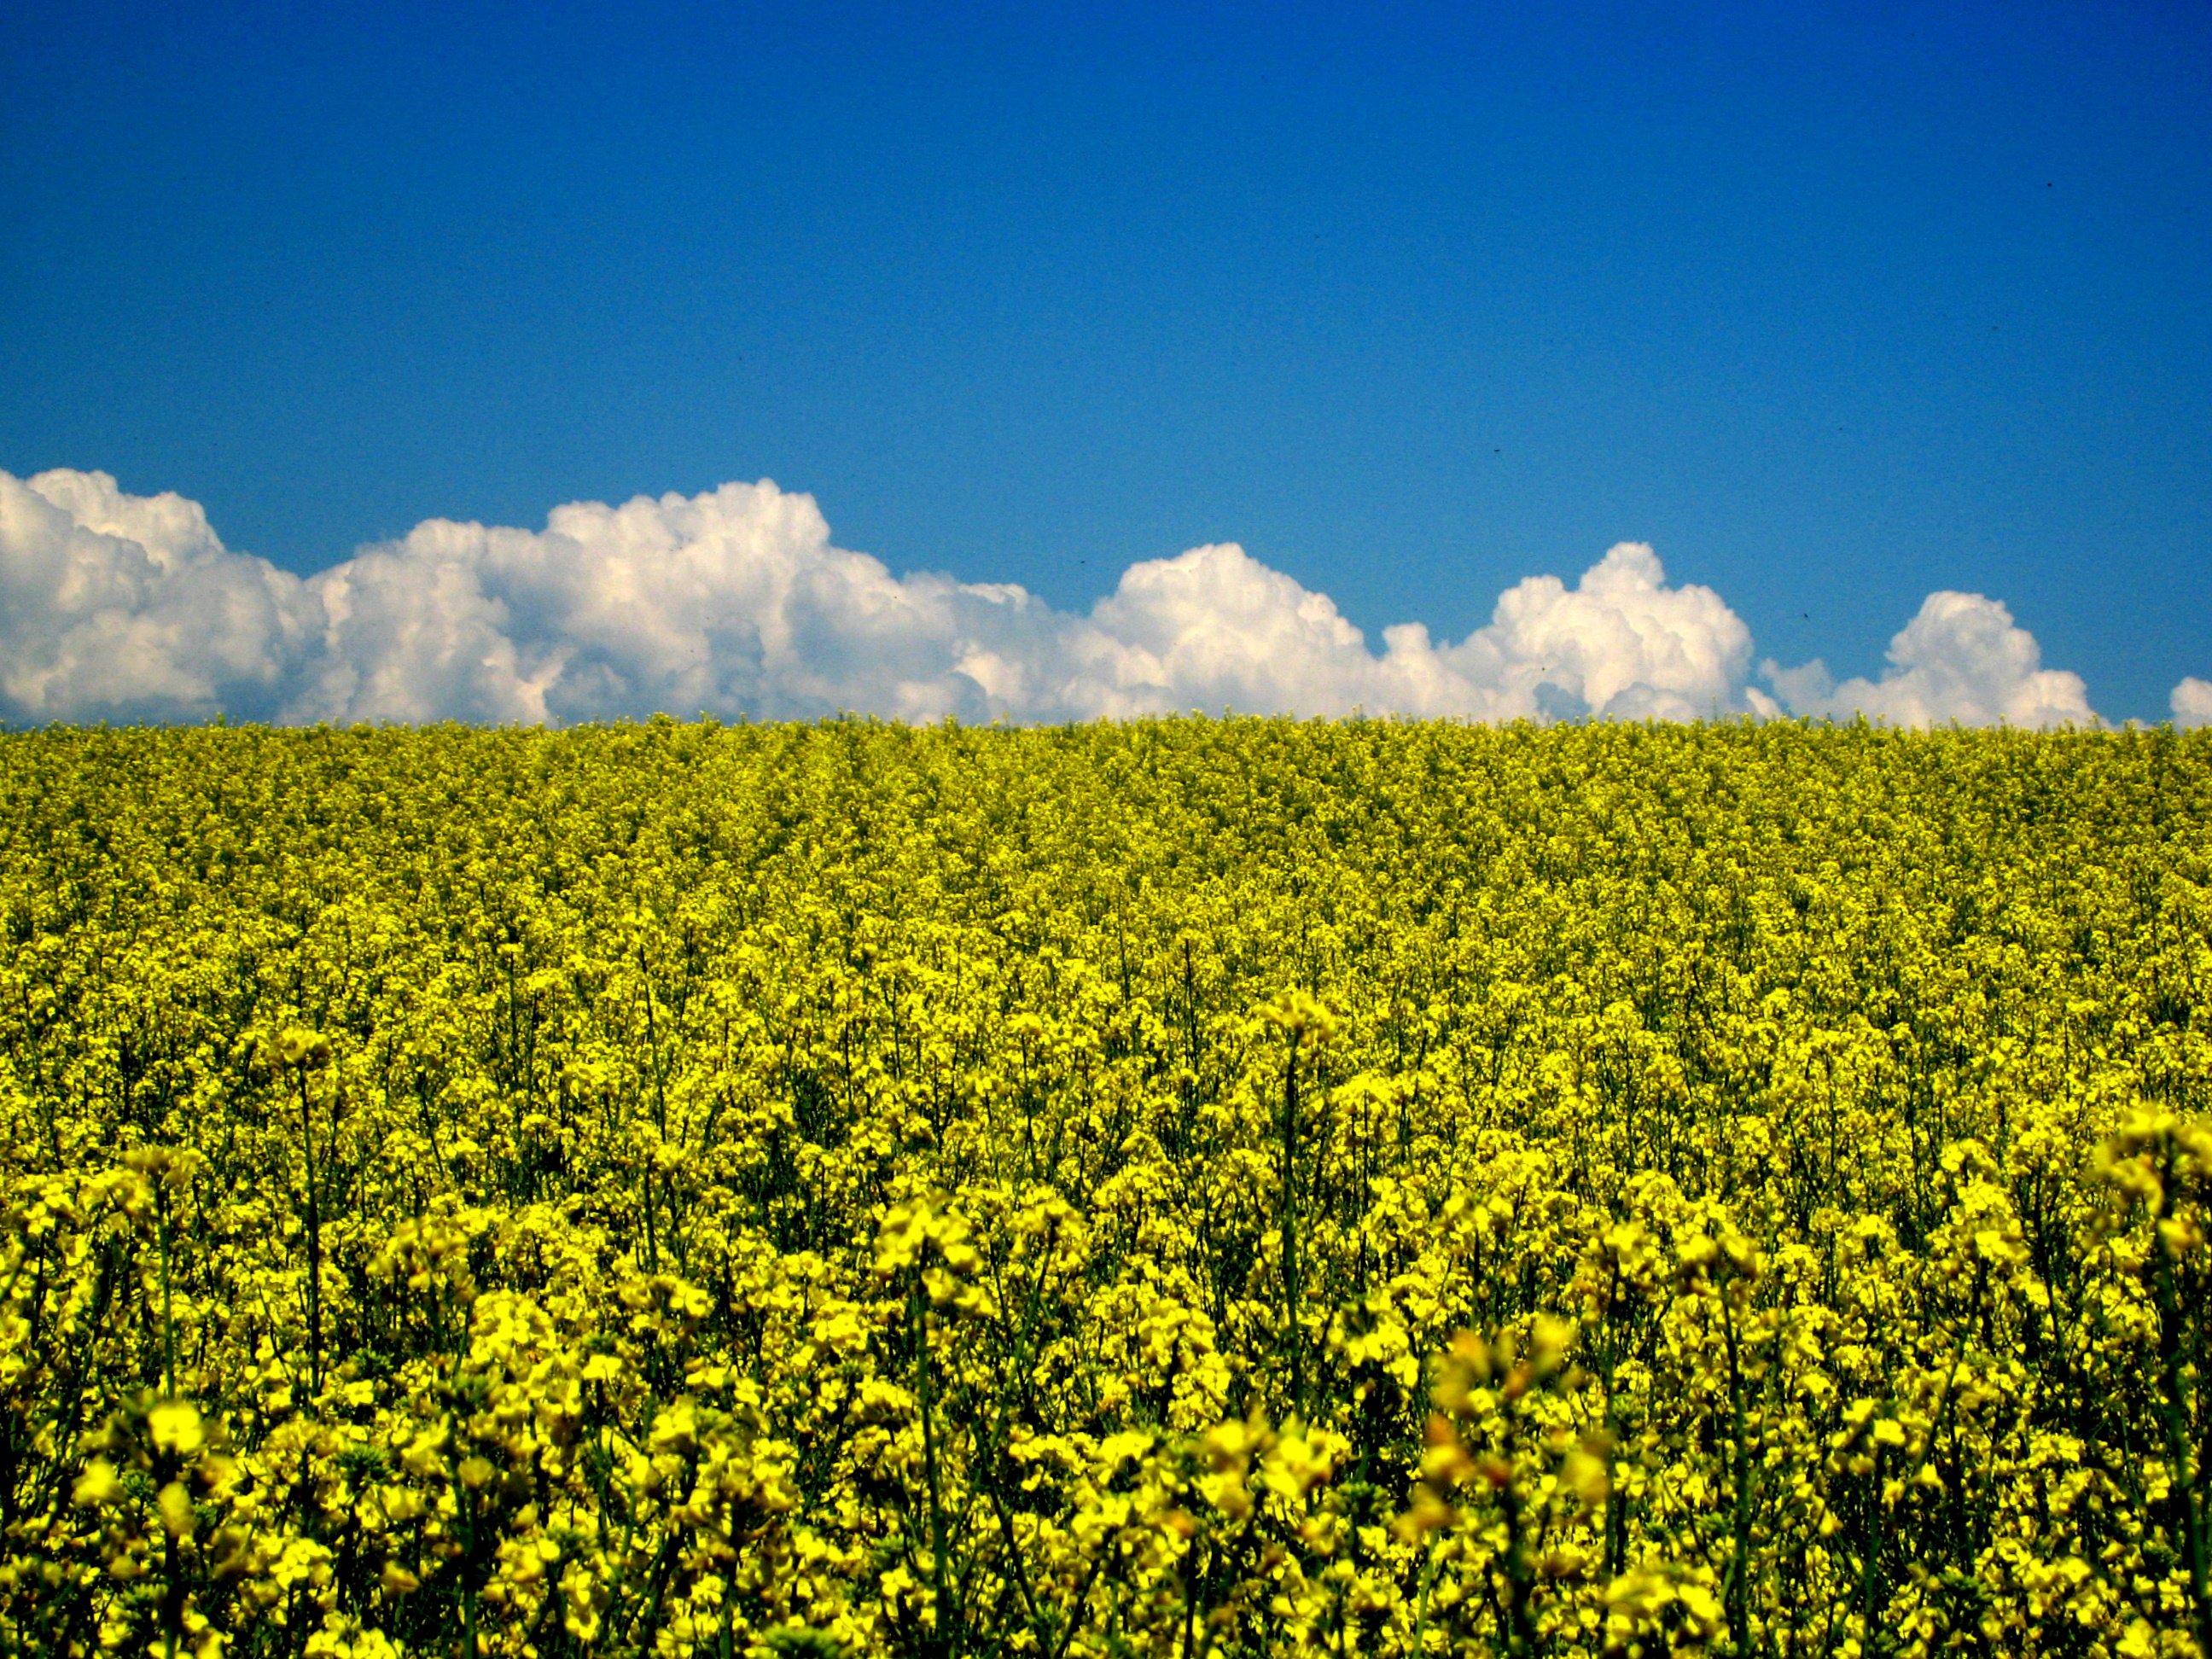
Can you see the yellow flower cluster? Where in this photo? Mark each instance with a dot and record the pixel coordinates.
(1181, 1188)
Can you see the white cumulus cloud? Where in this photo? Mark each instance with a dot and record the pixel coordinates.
(127, 607)
(1215, 628)
(729, 601)
(2192, 703)
(1961, 658)
(736, 601)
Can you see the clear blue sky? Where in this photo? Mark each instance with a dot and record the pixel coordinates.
(1833, 304)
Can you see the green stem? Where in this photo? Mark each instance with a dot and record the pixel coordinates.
(1293, 1290)
(918, 1312)
(172, 1605)
(314, 1246)
(1870, 1568)
(1520, 1640)
(2173, 1418)
(168, 1325)
(1421, 1614)
(465, 1512)
(1738, 1600)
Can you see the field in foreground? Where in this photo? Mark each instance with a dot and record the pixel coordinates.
(1180, 1188)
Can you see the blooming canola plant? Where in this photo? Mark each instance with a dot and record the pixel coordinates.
(1179, 1188)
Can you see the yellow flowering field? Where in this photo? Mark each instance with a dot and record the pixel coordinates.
(1184, 1187)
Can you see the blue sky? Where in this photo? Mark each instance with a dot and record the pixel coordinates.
(1833, 306)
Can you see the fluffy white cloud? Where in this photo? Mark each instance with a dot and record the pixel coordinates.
(1620, 643)
(736, 601)
(126, 607)
(731, 601)
(2192, 703)
(1213, 628)
(1961, 658)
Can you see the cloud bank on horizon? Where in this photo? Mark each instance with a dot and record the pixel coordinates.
(122, 607)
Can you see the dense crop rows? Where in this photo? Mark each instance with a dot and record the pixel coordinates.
(1188, 1188)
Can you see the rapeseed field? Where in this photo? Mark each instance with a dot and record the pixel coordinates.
(1189, 1187)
